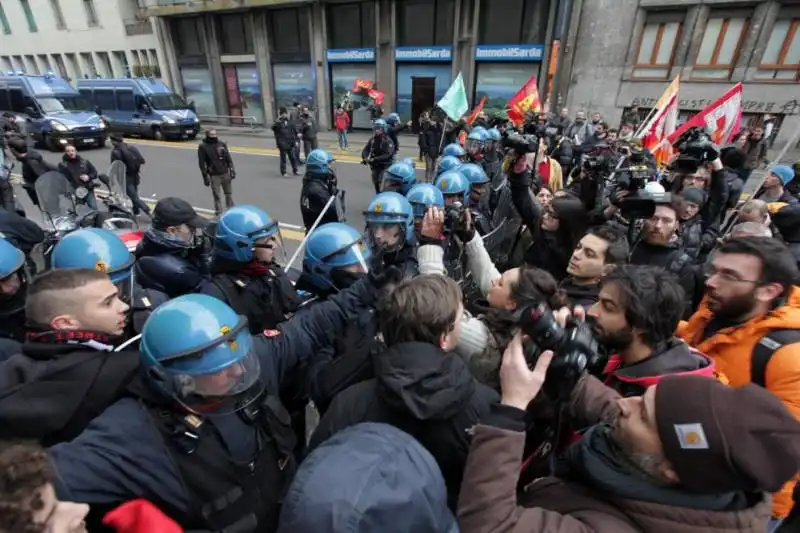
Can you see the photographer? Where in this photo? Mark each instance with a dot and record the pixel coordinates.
(556, 234)
(662, 462)
(634, 320)
(698, 240)
(560, 149)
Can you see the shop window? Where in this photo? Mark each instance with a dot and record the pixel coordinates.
(187, 35)
(514, 22)
(235, 36)
(426, 22)
(289, 31)
(781, 59)
(656, 52)
(719, 49)
(351, 25)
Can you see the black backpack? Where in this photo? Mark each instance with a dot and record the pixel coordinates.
(764, 350)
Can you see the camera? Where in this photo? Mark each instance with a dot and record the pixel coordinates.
(696, 148)
(575, 349)
(522, 144)
(633, 178)
(454, 216)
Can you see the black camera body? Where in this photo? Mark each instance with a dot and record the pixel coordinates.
(522, 144)
(695, 147)
(453, 217)
(575, 349)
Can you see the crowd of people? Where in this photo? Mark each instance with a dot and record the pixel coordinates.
(541, 332)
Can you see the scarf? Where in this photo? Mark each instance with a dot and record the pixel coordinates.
(255, 269)
(98, 341)
(598, 462)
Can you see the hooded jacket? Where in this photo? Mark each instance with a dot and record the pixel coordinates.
(584, 295)
(424, 391)
(676, 358)
(732, 351)
(74, 168)
(33, 166)
(214, 158)
(489, 500)
(386, 481)
(50, 392)
(165, 265)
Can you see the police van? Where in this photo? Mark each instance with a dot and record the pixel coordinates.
(142, 107)
(51, 111)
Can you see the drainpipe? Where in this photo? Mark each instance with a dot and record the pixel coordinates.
(559, 36)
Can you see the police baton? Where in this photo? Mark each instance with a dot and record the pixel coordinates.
(309, 232)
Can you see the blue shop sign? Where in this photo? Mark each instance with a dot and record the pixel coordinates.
(423, 53)
(351, 55)
(509, 52)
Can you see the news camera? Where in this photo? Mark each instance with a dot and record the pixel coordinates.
(695, 148)
(633, 177)
(522, 144)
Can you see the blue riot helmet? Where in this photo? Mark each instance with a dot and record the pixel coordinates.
(477, 180)
(494, 138)
(448, 163)
(454, 187)
(197, 351)
(422, 197)
(399, 177)
(379, 126)
(476, 141)
(410, 162)
(455, 150)
(12, 279)
(101, 250)
(393, 118)
(390, 222)
(481, 130)
(317, 163)
(243, 229)
(336, 254)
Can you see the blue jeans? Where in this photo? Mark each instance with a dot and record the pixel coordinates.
(342, 138)
(91, 200)
(773, 524)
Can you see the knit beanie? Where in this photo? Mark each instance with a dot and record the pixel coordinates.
(694, 195)
(783, 172)
(724, 439)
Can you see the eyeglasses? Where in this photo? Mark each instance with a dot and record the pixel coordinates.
(727, 276)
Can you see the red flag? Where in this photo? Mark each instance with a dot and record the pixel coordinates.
(662, 123)
(363, 85)
(376, 95)
(475, 112)
(526, 99)
(721, 119)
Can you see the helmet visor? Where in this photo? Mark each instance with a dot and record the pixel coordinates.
(270, 248)
(386, 237)
(227, 390)
(473, 146)
(391, 183)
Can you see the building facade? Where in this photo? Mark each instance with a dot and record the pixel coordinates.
(626, 52)
(249, 58)
(77, 38)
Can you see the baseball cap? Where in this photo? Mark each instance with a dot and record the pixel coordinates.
(173, 211)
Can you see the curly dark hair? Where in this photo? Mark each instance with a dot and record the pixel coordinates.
(533, 285)
(24, 469)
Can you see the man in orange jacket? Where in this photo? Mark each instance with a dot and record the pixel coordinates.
(749, 323)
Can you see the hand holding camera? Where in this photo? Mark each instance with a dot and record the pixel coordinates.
(433, 224)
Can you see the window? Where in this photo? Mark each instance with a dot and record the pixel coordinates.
(657, 45)
(104, 99)
(87, 94)
(426, 22)
(4, 21)
(91, 13)
(514, 21)
(781, 59)
(26, 7)
(187, 35)
(125, 101)
(58, 14)
(235, 35)
(719, 49)
(289, 33)
(17, 100)
(351, 25)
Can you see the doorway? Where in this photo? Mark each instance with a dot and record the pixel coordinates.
(423, 93)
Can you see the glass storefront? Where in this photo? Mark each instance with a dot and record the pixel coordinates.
(498, 82)
(252, 102)
(293, 83)
(419, 87)
(342, 78)
(197, 87)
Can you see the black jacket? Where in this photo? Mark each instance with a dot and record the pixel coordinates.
(33, 166)
(169, 266)
(425, 392)
(22, 232)
(285, 134)
(214, 157)
(562, 152)
(130, 156)
(74, 168)
(313, 196)
(379, 151)
(308, 128)
(431, 139)
(583, 295)
(675, 260)
(50, 392)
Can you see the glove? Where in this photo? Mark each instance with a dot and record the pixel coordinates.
(232, 174)
(466, 229)
(206, 180)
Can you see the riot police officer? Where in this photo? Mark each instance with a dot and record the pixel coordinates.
(336, 256)
(448, 163)
(492, 160)
(395, 127)
(475, 145)
(399, 177)
(379, 152)
(478, 197)
(100, 249)
(455, 189)
(319, 185)
(244, 272)
(211, 441)
(390, 232)
(13, 287)
(422, 197)
(455, 150)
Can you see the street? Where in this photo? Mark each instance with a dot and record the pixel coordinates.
(172, 170)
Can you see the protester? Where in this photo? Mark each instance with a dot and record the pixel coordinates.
(33, 166)
(80, 172)
(216, 167)
(285, 132)
(560, 228)
(132, 158)
(342, 122)
(598, 253)
(755, 150)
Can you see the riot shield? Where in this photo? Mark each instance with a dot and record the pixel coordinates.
(55, 194)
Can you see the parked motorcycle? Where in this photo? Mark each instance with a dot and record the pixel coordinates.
(120, 215)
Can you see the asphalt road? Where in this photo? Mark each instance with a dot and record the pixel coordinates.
(172, 170)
